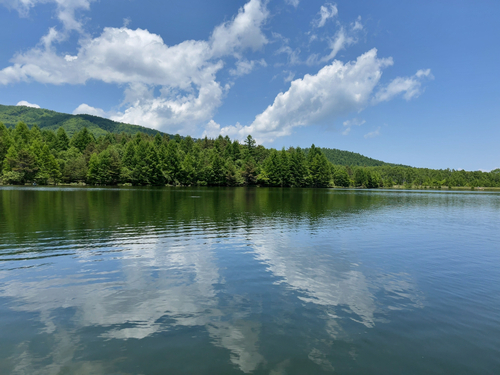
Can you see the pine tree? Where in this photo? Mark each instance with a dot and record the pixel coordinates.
(271, 174)
(62, 143)
(172, 163)
(82, 139)
(21, 134)
(5, 143)
(319, 170)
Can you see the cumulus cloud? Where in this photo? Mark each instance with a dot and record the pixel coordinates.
(244, 31)
(326, 12)
(373, 134)
(410, 87)
(85, 109)
(185, 73)
(212, 129)
(336, 90)
(26, 104)
(349, 123)
(294, 3)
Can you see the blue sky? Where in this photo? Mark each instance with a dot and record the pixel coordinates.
(405, 82)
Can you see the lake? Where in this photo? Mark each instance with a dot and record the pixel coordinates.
(237, 280)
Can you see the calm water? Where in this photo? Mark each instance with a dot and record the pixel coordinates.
(262, 281)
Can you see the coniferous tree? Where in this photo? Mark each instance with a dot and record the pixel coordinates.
(172, 163)
(21, 135)
(23, 163)
(5, 143)
(271, 174)
(341, 177)
(319, 169)
(82, 139)
(156, 176)
(298, 168)
(75, 166)
(217, 170)
(49, 167)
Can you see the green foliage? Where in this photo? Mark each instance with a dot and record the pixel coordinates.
(43, 156)
(51, 120)
(339, 157)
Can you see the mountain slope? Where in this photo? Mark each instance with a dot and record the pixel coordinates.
(45, 119)
(51, 120)
(340, 157)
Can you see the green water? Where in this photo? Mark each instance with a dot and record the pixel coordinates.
(262, 281)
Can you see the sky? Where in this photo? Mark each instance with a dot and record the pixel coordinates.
(414, 83)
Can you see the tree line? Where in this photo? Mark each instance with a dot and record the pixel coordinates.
(34, 156)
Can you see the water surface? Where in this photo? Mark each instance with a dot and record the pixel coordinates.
(262, 281)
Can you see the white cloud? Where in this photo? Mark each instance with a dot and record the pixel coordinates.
(139, 59)
(212, 130)
(340, 41)
(244, 31)
(170, 112)
(373, 134)
(326, 12)
(410, 87)
(85, 109)
(66, 10)
(357, 25)
(337, 89)
(349, 123)
(294, 3)
(244, 67)
(26, 104)
(289, 76)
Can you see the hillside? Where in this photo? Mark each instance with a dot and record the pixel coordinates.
(339, 157)
(51, 120)
(45, 119)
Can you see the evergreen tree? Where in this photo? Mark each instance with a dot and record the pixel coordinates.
(172, 163)
(155, 167)
(341, 177)
(23, 163)
(360, 177)
(62, 143)
(49, 167)
(233, 174)
(82, 139)
(189, 170)
(35, 134)
(319, 170)
(141, 168)
(249, 172)
(217, 170)
(75, 166)
(298, 168)
(5, 143)
(271, 174)
(21, 134)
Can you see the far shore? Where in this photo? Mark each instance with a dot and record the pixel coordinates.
(395, 187)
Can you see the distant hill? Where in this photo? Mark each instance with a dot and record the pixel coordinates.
(45, 119)
(339, 157)
(10, 115)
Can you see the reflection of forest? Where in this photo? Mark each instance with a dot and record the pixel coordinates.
(147, 262)
(29, 211)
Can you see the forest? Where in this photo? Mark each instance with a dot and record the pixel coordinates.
(35, 156)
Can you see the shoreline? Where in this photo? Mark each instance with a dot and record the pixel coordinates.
(395, 187)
